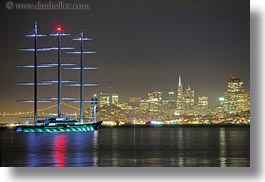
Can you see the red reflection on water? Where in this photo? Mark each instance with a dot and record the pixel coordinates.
(60, 150)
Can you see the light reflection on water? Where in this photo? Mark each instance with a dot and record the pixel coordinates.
(59, 150)
(222, 143)
(139, 146)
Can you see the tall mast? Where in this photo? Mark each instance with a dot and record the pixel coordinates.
(35, 75)
(34, 34)
(80, 37)
(81, 78)
(58, 29)
(59, 33)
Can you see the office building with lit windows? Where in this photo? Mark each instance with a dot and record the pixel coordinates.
(203, 105)
(104, 99)
(154, 100)
(169, 104)
(189, 101)
(115, 99)
(236, 99)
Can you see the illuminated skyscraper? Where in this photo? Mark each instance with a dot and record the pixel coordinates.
(221, 101)
(104, 99)
(107, 99)
(171, 102)
(235, 99)
(171, 96)
(203, 101)
(155, 100)
(115, 99)
(203, 105)
(243, 101)
(180, 102)
(189, 101)
(144, 105)
(235, 85)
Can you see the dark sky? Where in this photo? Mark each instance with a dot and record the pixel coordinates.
(141, 45)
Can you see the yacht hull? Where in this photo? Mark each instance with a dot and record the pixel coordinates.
(60, 127)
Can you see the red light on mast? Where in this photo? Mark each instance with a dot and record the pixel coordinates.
(59, 28)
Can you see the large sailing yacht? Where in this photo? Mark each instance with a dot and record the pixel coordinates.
(61, 122)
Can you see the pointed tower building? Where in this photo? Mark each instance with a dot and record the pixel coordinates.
(180, 100)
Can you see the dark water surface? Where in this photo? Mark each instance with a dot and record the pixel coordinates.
(129, 146)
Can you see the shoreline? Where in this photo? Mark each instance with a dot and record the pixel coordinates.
(177, 125)
(159, 126)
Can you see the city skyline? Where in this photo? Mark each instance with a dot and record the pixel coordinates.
(206, 43)
(164, 94)
(180, 107)
(187, 95)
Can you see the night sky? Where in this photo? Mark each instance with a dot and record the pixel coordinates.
(141, 45)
